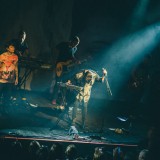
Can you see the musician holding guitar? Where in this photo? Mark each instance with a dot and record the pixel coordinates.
(66, 56)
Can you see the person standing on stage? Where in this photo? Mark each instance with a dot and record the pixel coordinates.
(85, 79)
(8, 72)
(21, 46)
(66, 53)
(21, 50)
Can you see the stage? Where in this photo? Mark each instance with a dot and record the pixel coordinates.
(32, 116)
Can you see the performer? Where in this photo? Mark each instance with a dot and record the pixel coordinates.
(66, 55)
(8, 71)
(139, 85)
(21, 50)
(85, 79)
(21, 46)
(140, 80)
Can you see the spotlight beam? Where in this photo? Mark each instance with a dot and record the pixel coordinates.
(128, 52)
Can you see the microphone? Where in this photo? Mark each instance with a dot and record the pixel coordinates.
(104, 72)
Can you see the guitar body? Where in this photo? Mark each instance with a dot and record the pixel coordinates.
(65, 67)
(61, 67)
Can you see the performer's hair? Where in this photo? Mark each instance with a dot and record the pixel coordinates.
(75, 38)
(21, 32)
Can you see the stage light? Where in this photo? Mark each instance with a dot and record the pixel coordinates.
(128, 52)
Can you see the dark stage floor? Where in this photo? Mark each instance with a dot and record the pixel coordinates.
(32, 116)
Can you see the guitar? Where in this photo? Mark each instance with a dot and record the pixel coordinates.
(70, 86)
(65, 67)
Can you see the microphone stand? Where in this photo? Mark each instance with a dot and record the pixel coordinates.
(108, 87)
(110, 93)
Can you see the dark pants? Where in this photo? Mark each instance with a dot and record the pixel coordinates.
(6, 91)
(61, 90)
(56, 88)
(84, 111)
(63, 78)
